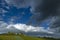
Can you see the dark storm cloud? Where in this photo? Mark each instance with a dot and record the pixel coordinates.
(55, 24)
(45, 9)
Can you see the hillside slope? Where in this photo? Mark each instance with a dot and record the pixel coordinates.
(21, 37)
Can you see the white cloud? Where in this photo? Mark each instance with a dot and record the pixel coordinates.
(4, 28)
(2, 11)
(3, 24)
(18, 3)
(29, 28)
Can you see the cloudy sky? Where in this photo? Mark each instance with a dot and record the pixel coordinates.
(30, 16)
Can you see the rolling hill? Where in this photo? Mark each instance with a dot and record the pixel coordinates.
(22, 37)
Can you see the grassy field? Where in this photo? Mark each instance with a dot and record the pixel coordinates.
(21, 37)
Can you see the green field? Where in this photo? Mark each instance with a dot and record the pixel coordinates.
(21, 37)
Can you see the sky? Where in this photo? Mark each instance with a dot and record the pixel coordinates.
(17, 15)
(30, 16)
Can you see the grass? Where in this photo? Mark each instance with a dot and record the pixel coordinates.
(10, 37)
(21, 37)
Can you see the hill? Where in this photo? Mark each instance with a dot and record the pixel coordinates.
(22, 37)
